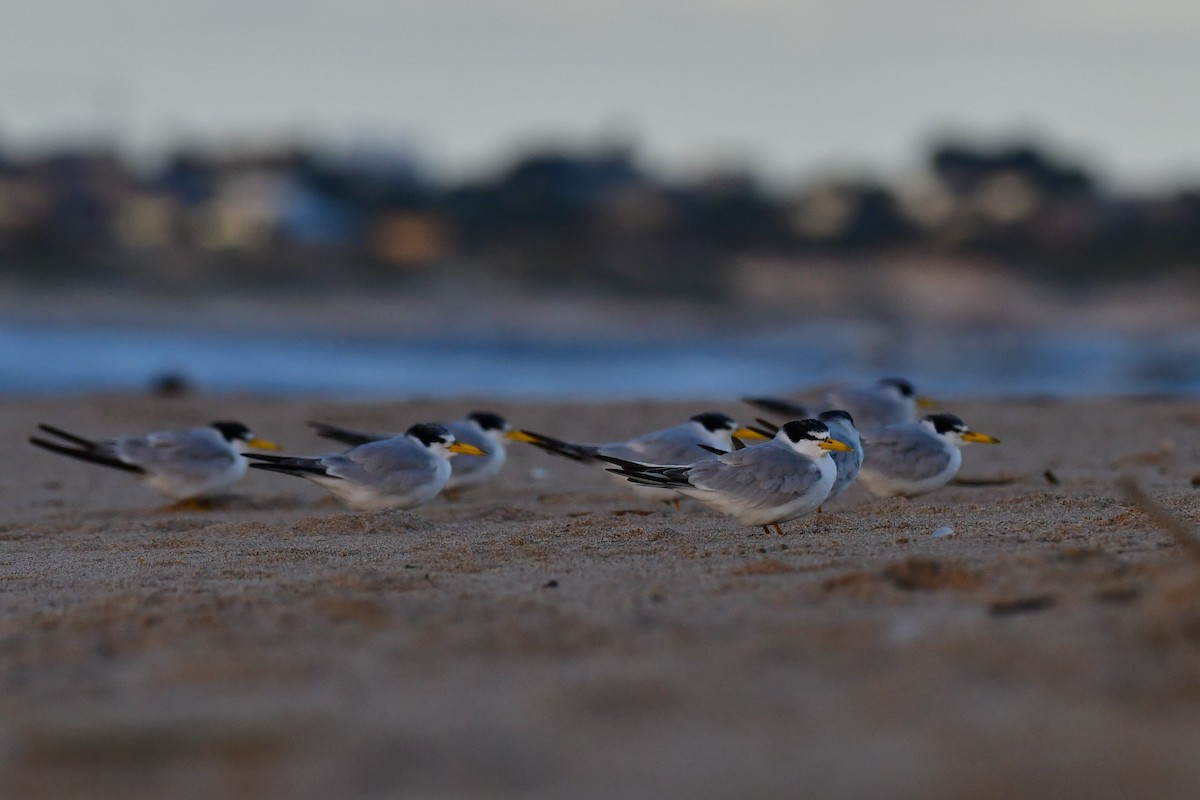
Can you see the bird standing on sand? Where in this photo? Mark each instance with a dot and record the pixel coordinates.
(685, 443)
(185, 465)
(483, 429)
(841, 427)
(909, 460)
(402, 472)
(892, 401)
(780, 480)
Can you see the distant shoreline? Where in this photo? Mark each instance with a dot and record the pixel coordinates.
(610, 364)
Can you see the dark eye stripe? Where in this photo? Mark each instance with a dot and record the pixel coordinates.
(811, 429)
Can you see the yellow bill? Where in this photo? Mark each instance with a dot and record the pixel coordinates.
(748, 433)
(465, 449)
(982, 438)
(520, 436)
(263, 444)
(834, 444)
(927, 403)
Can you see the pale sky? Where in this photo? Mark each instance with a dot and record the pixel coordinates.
(790, 88)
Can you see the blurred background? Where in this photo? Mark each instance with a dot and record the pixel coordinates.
(600, 199)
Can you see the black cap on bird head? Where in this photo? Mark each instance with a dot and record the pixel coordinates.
(233, 431)
(429, 433)
(489, 421)
(800, 429)
(902, 386)
(714, 421)
(946, 423)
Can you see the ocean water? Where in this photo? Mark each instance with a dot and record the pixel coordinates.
(58, 359)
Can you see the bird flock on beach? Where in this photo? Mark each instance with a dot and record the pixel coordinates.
(758, 475)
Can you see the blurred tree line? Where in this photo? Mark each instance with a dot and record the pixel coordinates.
(589, 219)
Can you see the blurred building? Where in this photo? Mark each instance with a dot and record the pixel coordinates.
(591, 217)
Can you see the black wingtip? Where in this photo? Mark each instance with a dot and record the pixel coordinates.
(783, 408)
(559, 447)
(623, 463)
(641, 478)
(334, 433)
(91, 456)
(642, 474)
(282, 470)
(292, 466)
(716, 450)
(265, 457)
(67, 435)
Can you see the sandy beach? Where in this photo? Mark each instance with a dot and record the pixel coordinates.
(554, 636)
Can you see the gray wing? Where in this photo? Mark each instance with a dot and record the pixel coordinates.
(869, 407)
(677, 445)
(470, 434)
(906, 451)
(183, 453)
(762, 476)
(389, 465)
(846, 462)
